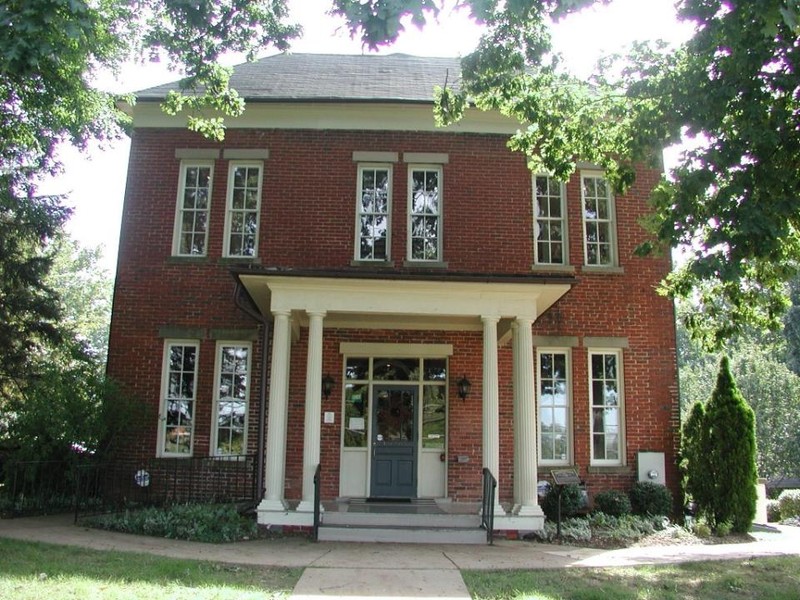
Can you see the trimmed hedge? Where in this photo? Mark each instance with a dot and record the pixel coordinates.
(613, 503)
(571, 502)
(789, 504)
(648, 498)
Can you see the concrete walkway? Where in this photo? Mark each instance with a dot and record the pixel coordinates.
(351, 570)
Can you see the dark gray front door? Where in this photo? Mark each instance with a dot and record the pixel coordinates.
(394, 443)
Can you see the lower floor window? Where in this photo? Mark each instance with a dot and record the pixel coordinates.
(178, 398)
(554, 407)
(231, 398)
(605, 392)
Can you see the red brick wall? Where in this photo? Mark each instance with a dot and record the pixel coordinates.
(307, 221)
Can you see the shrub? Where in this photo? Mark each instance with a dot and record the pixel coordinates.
(773, 511)
(572, 531)
(701, 529)
(789, 504)
(648, 498)
(571, 502)
(195, 522)
(723, 529)
(612, 502)
(731, 452)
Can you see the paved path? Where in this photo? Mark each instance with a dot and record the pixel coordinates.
(351, 570)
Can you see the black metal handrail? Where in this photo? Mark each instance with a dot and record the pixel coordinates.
(487, 504)
(317, 502)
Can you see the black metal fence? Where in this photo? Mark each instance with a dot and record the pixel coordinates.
(90, 486)
(36, 488)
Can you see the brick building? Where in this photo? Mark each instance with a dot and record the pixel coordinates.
(321, 286)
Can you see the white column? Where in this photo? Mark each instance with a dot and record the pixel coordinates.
(524, 422)
(491, 403)
(278, 412)
(312, 431)
(516, 415)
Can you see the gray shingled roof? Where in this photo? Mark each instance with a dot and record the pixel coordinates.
(338, 77)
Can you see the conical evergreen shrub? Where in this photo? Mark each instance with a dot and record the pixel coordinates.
(697, 483)
(730, 451)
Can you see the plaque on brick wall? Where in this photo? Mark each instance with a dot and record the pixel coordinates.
(565, 476)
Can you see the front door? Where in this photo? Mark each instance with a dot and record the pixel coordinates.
(394, 442)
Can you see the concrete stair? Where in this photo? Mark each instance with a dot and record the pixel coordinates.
(410, 524)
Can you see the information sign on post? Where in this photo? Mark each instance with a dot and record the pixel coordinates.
(562, 477)
(565, 476)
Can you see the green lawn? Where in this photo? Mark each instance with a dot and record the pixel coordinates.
(762, 578)
(35, 571)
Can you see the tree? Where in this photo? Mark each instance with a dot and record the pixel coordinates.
(29, 309)
(732, 201)
(760, 363)
(694, 460)
(719, 451)
(84, 291)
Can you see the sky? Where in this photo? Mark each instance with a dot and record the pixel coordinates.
(94, 181)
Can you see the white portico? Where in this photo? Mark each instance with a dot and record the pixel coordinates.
(500, 308)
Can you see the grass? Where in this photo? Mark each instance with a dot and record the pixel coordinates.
(31, 571)
(761, 578)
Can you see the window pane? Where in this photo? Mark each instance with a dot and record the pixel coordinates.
(549, 222)
(434, 416)
(179, 401)
(606, 401)
(243, 207)
(435, 369)
(373, 207)
(232, 399)
(396, 369)
(356, 403)
(357, 368)
(553, 401)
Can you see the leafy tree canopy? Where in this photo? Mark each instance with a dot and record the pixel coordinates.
(732, 87)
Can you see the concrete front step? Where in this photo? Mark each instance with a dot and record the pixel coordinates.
(402, 535)
(335, 518)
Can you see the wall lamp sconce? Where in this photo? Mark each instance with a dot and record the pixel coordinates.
(327, 385)
(463, 387)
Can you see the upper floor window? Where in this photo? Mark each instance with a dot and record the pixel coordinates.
(606, 401)
(425, 214)
(373, 210)
(554, 407)
(549, 228)
(231, 398)
(176, 434)
(598, 221)
(243, 208)
(191, 220)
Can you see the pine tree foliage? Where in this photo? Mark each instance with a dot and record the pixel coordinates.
(694, 460)
(729, 445)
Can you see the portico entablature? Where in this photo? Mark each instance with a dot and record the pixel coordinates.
(411, 304)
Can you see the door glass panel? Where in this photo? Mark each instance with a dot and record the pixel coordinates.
(433, 416)
(394, 416)
(356, 402)
(435, 369)
(395, 369)
(357, 368)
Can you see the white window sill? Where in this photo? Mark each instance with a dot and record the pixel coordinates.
(425, 264)
(548, 268)
(595, 270)
(372, 263)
